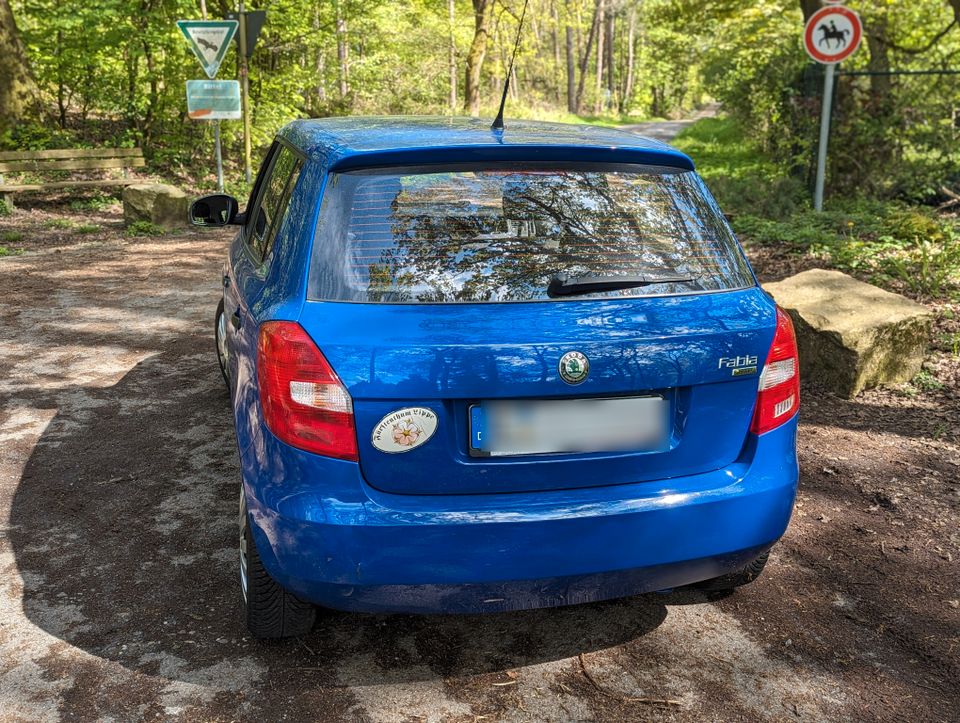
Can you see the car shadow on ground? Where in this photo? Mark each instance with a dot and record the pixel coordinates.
(123, 528)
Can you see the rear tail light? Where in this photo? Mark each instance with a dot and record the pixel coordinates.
(304, 403)
(778, 397)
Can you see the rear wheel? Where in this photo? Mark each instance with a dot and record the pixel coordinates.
(220, 335)
(270, 610)
(736, 579)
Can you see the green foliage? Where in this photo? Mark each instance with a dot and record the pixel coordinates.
(145, 228)
(61, 223)
(88, 228)
(740, 175)
(892, 136)
(891, 243)
(96, 202)
(884, 241)
(6, 251)
(113, 73)
(926, 381)
(11, 237)
(952, 343)
(5, 209)
(38, 137)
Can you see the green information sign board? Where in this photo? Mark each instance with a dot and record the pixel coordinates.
(213, 99)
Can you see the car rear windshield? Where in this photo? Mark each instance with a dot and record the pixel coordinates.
(502, 234)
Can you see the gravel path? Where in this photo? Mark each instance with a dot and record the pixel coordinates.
(118, 590)
(667, 130)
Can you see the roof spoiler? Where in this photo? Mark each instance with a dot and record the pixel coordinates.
(472, 154)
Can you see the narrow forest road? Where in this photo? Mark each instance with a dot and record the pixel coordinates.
(119, 597)
(666, 131)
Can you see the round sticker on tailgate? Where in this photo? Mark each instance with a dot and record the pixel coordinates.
(404, 429)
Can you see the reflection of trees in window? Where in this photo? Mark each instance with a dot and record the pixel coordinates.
(502, 235)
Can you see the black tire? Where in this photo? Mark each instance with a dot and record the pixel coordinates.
(219, 344)
(736, 579)
(271, 611)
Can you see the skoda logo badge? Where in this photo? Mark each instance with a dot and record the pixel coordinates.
(574, 367)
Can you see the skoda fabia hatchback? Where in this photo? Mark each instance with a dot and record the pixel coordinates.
(475, 370)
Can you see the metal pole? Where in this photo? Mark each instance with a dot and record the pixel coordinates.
(244, 93)
(216, 143)
(216, 124)
(824, 136)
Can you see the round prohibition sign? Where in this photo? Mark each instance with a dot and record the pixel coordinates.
(832, 34)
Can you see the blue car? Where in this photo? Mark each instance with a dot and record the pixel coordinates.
(477, 370)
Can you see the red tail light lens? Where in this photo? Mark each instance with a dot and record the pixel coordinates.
(778, 398)
(304, 403)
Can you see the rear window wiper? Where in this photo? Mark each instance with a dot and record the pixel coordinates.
(562, 285)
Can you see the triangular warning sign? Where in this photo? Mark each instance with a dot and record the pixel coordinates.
(209, 40)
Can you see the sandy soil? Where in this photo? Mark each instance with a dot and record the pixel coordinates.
(118, 590)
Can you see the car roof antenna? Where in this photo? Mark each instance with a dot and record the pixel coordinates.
(497, 124)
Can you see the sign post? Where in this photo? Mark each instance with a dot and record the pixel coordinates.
(251, 23)
(245, 93)
(832, 34)
(209, 40)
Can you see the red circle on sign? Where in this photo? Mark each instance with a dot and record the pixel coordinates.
(843, 45)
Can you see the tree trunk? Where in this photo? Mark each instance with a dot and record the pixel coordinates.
(452, 57)
(601, 38)
(571, 74)
(585, 59)
(557, 63)
(879, 62)
(628, 81)
(150, 116)
(343, 52)
(61, 87)
(611, 68)
(482, 14)
(319, 66)
(808, 8)
(18, 90)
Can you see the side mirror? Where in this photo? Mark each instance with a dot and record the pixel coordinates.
(218, 209)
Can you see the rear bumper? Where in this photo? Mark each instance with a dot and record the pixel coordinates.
(326, 535)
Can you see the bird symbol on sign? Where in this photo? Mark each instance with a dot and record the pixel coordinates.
(207, 44)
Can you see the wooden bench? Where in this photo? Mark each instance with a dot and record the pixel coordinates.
(69, 159)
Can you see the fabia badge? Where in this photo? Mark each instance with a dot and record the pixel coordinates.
(404, 429)
(574, 367)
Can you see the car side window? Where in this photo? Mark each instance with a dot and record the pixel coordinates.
(273, 201)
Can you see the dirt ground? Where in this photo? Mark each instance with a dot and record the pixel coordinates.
(119, 597)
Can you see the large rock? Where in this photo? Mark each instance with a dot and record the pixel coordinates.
(853, 335)
(155, 202)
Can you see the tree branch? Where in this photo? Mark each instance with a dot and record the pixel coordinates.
(918, 51)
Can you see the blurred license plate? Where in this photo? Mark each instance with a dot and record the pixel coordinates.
(556, 426)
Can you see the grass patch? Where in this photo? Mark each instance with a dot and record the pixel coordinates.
(88, 228)
(926, 381)
(145, 228)
(62, 223)
(744, 180)
(951, 342)
(5, 208)
(7, 251)
(97, 202)
(893, 244)
(11, 237)
(555, 115)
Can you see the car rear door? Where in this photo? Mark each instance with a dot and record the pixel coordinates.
(428, 294)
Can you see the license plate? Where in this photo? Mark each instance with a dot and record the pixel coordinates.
(559, 426)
